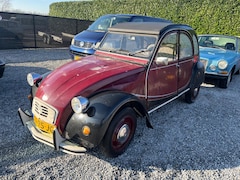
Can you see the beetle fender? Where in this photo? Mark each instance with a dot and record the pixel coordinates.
(102, 108)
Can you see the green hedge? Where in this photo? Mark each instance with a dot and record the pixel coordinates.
(205, 16)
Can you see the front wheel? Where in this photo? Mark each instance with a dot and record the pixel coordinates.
(224, 83)
(119, 133)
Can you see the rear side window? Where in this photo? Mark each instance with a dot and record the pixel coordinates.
(186, 49)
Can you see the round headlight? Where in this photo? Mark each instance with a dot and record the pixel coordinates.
(32, 78)
(222, 64)
(79, 104)
(212, 67)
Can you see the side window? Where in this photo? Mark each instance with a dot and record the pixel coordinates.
(185, 47)
(167, 50)
(195, 44)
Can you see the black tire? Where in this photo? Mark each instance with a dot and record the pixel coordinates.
(224, 83)
(123, 124)
(192, 94)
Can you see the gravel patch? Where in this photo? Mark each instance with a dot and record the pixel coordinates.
(189, 141)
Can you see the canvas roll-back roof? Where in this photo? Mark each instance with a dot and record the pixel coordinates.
(140, 27)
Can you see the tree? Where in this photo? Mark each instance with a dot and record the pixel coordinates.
(5, 5)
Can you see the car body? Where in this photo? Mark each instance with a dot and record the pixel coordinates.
(221, 56)
(10, 29)
(84, 42)
(136, 69)
(2, 67)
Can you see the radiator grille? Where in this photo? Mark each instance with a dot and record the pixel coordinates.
(44, 111)
(205, 62)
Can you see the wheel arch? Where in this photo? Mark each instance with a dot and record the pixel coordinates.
(106, 105)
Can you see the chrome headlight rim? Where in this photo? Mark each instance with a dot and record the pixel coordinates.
(79, 104)
(222, 64)
(33, 78)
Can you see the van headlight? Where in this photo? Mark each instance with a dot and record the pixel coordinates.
(72, 42)
(79, 104)
(222, 64)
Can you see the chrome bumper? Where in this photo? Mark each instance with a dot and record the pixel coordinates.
(55, 140)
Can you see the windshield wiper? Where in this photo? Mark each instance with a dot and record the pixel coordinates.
(139, 51)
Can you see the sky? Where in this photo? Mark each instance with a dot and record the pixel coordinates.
(34, 6)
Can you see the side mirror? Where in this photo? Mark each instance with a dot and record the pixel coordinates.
(162, 61)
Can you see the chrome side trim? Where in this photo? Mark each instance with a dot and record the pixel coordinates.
(170, 100)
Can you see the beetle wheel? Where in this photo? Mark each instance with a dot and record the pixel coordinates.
(119, 133)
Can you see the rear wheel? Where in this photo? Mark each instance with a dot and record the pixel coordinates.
(192, 94)
(119, 133)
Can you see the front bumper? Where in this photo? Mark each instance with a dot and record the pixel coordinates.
(55, 140)
(215, 76)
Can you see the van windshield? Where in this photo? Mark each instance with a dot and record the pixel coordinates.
(131, 44)
(104, 22)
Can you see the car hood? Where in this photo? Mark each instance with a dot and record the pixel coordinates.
(83, 78)
(89, 36)
(216, 54)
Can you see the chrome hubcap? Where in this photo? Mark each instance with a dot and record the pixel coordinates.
(123, 133)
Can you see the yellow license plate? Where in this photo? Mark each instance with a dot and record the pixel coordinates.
(77, 57)
(44, 126)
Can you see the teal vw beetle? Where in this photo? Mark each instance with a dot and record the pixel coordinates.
(221, 56)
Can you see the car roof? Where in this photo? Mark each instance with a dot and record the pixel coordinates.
(130, 15)
(158, 19)
(218, 35)
(140, 27)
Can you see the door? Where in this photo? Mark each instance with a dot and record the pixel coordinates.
(163, 72)
(171, 69)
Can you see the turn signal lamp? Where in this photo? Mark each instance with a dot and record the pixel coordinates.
(86, 130)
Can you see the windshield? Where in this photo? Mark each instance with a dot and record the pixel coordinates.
(130, 44)
(222, 42)
(103, 23)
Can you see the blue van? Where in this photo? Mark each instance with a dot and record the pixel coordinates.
(84, 42)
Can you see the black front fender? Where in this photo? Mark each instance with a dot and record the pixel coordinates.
(102, 108)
